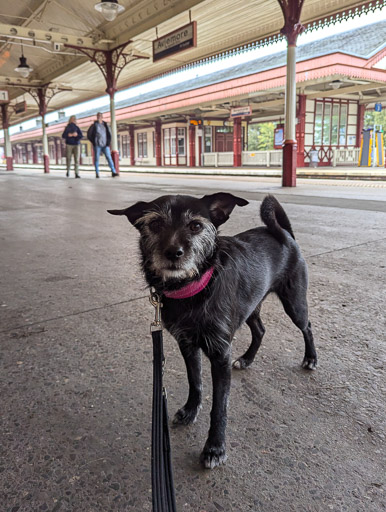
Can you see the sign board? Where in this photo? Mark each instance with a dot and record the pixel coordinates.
(378, 107)
(241, 111)
(195, 122)
(4, 97)
(20, 108)
(278, 137)
(176, 41)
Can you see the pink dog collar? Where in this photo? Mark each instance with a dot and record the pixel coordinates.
(192, 288)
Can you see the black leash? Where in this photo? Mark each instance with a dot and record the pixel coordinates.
(163, 497)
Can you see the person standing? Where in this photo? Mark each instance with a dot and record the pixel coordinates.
(72, 135)
(99, 135)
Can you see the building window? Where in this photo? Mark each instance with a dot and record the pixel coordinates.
(167, 141)
(142, 145)
(175, 141)
(330, 127)
(208, 139)
(125, 146)
(84, 149)
(181, 141)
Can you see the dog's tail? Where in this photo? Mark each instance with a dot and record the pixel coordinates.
(275, 218)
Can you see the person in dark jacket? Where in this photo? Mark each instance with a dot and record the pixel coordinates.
(99, 135)
(73, 135)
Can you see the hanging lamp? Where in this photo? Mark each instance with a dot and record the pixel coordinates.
(23, 69)
(109, 9)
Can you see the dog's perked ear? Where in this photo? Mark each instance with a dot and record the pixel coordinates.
(220, 206)
(133, 213)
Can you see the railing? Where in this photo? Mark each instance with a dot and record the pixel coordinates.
(345, 156)
(255, 158)
(218, 159)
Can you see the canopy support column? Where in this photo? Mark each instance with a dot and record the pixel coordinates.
(110, 62)
(292, 28)
(158, 155)
(7, 138)
(42, 95)
(132, 145)
(237, 142)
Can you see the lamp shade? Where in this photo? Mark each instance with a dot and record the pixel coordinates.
(109, 9)
(23, 69)
(335, 84)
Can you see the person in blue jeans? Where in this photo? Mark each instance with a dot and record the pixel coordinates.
(99, 135)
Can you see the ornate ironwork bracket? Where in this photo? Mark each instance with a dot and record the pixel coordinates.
(42, 96)
(292, 26)
(110, 62)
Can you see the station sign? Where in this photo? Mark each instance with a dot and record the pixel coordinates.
(4, 97)
(241, 111)
(20, 108)
(176, 41)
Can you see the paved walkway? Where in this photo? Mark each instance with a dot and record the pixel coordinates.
(76, 356)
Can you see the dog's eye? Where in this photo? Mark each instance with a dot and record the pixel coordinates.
(155, 225)
(195, 226)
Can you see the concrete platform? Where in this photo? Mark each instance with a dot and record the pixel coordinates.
(76, 355)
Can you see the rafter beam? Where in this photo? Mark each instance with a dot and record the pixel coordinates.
(14, 81)
(372, 99)
(46, 36)
(267, 104)
(343, 90)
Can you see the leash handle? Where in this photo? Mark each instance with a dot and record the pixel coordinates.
(163, 496)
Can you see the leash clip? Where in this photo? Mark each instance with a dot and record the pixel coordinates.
(155, 301)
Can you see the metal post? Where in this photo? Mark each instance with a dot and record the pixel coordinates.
(7, 138)
(114, 135)
(158, 155)
(237, 142)
(192, 146)
(301, 127)
(292, 28)
(46, 157)
(132, 145)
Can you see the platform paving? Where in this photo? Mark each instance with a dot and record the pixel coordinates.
(76, 355)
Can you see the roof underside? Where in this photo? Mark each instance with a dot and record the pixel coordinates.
(221, 25)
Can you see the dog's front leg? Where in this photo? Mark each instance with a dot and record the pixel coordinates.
(214, 452)
(189, 412)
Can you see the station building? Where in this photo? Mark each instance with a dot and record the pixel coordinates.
(204, 121)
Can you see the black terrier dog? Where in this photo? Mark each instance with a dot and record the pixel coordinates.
(211, 284)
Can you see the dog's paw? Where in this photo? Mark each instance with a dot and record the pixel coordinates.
(309, 363)
(241, 363)
(213, 456)
(185, 416)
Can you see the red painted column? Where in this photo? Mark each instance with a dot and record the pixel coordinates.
(7, 139)
(301, 128)
(132, 145)
(237, 142)
(56, 152)
(58, 148)
(41, 93)
(158, 154)
(292, 28)
(34, 154)
(360, 124)
(192, 146)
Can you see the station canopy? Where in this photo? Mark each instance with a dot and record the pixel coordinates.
(45, 32)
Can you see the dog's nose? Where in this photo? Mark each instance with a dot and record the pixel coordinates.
(173, 253)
